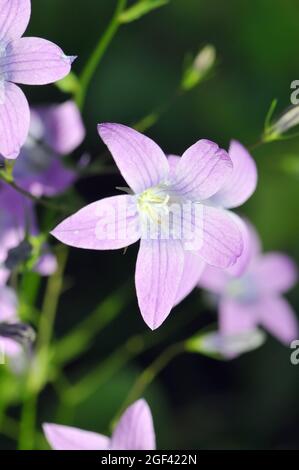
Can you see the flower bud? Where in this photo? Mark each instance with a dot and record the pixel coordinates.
(200, 67)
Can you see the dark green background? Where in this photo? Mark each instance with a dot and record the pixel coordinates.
(251, 402)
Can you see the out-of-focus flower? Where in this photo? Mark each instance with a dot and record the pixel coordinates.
(54, 131)
(200, 67)
(28, 61)
(220, 346)
(8, 315)
(255, 297)
(17, 220)
(237, 189)
(168, 209)
(135, 431)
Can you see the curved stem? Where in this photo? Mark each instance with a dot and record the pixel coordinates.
(150, 373)
(37, 200)
(98, 53)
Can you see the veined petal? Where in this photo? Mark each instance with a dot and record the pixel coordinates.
(278, 317)
(135, 430)
(275, 272)
(63, 126)
(236, 317)
(241, 183)
(140, 160)
(193, 269)
(159, 271)
(14, 121)
(222, 242)
(249, 248)
(34, 61)
(14, 18)
(108, 224)
(69, 438)
(202, 170)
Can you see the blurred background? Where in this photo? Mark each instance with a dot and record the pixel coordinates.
(197, 403)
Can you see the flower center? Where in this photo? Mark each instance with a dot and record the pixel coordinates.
(243, 290)
(154, 203)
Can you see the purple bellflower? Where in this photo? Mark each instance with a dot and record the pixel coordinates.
(17, 218)
(255, 298)
(55, 131)
(168, 209)
(135, 431)
(27, 61)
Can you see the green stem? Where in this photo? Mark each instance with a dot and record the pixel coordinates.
(41, 201)
(51, 300)
(150, 373)
(27, 424)
(77, 341)
(98, 53)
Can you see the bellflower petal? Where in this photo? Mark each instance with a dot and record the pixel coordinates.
(202, 170)
(70, 438)
(14, 121)
(236, 317)
(53, 180)
(275, 273)
(242, 181)
(9, 305)
(108, 224)
(222, 239)
(277, 316)
(135, 430)
(46, 265)
(140, 160)
(34, 61)
(193, 269)
(214, 279)
(14, 18)
(63, 127)
(159, 271)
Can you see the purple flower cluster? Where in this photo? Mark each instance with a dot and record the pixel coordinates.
(179, 208)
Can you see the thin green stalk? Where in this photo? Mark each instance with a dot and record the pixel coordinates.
(52, 295)
(150, 373)
(38, 200)
(80, 338)
(98, 53)
(27, 423)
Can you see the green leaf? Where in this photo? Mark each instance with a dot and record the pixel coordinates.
(69, 84)
(140, 9)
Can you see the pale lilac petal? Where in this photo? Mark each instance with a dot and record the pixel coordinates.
(14, 18)
(193, 268)
(159, 271)
(8, 305)
(277, 316)
(14, 121)
(139, 159)
(34, 61)
(241, 183)
(69, 438)
(46, 265)
(63, 127)
(202, 170)
(249, 248)
(222, 242)
(53, 180)
(10, 348)
(236, 317)
(214, 280)
(173, 161)
(135, 430)
(108, 224)
(4, 273)
(274, 272)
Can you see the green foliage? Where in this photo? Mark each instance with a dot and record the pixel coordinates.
(141, 8)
